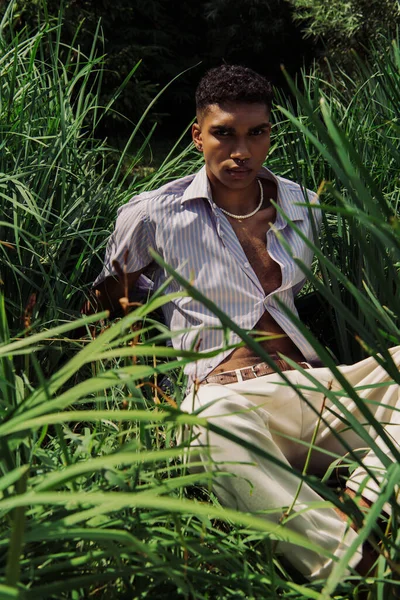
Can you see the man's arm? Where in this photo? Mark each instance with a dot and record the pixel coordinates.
(106, 295)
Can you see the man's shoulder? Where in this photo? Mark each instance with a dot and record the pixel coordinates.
(296, 201)
(293, 192)
(294, 187)
(166, 195)
(286, 185)
(174, 188)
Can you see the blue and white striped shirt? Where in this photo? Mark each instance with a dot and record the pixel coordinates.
(184, 225)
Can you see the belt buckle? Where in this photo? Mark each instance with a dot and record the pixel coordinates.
(254, 371)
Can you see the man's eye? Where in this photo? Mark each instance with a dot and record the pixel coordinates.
(257, 131)
(221, 132)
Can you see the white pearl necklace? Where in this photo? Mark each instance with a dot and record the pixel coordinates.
(252, 212)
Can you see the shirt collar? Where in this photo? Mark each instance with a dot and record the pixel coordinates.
(198, 188)
(288, 193)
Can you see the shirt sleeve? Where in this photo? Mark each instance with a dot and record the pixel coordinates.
(130, 241)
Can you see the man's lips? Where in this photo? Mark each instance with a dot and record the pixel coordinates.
(239, 172)
(239, 169)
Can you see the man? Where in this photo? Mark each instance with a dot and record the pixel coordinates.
(222, 228)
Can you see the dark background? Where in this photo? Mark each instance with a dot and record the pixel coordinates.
(183, 39)
(169, 38)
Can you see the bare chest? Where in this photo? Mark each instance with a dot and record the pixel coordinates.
(252, 235)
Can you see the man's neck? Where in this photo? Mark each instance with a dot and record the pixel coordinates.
(239, 201)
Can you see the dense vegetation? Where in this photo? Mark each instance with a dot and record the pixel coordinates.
(347, 25)
(185, 39)
(95, 499)
(171, 39)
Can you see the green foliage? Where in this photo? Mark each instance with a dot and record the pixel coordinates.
(59, 184)
(169, 38)
(127, 31)
(95, 497)
(356, 155)
(345, 25)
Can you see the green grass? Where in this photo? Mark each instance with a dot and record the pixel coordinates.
(341, 137)
(95, 499)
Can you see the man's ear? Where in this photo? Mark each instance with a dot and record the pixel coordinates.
(197, 137)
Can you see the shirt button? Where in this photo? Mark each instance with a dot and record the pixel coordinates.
(246, 265)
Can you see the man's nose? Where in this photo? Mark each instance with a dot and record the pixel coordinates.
(240, 151)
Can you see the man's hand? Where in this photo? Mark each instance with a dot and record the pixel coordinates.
(107, 295)
(91, 304)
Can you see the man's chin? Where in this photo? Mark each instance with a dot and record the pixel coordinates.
(237, 179)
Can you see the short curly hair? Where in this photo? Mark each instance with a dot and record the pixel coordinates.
(232, 83)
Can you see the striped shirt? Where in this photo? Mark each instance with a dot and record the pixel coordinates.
(183, 224)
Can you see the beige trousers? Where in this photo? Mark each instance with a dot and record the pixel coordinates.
(271, 415)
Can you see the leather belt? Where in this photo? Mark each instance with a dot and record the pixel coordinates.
(258, 370)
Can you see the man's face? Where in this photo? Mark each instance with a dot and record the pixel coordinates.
(235, 139)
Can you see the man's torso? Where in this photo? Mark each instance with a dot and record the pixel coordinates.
(246, 272)
(252, 235)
